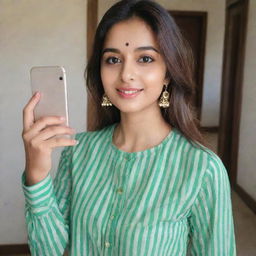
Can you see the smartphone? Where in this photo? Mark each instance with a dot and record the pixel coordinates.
(50, 81)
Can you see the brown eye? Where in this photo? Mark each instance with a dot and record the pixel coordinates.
(146, 59)
(112, 60)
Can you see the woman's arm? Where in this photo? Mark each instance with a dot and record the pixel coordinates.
(47, 206)
(211, 220)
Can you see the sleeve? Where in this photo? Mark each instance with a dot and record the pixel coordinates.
(211, 220)
(47, 206)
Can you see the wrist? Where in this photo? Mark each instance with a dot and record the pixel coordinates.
(34, 179)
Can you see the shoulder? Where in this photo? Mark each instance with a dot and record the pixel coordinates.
(216, 173)
(208, 178)
(194, 156)
(203, 164)
(215, 176)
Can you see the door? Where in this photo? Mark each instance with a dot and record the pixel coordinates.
(232, 78)
(193, 27)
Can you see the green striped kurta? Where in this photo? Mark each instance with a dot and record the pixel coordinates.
(172, 199)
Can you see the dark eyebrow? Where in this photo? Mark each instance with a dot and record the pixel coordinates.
(146, 48)
(142, 48)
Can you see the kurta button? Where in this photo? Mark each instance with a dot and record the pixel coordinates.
(120, 191)
(107, 244)
(112, 217)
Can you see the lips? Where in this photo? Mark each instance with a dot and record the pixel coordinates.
(128, 92)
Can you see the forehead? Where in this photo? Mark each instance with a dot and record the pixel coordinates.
(134, 31)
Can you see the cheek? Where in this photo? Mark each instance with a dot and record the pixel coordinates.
(154, 79)
(108, 76)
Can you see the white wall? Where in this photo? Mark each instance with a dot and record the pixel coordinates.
(34, 33)
(246, 176)
(213, 51)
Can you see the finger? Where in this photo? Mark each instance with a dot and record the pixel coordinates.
(59, 142)
(28, 111)
(43, 123)
(49, 132)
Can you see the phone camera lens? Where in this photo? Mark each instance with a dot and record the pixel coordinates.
(61, 78)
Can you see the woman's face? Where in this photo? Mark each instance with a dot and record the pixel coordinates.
(132, 69)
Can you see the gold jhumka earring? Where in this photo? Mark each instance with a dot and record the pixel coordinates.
(164, 99)
(105, 101)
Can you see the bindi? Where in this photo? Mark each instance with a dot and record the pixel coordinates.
(126, 44)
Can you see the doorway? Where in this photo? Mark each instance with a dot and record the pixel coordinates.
(232, 83)
(195, 21)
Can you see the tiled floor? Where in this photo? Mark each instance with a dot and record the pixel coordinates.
(245, 227)
(244, 218)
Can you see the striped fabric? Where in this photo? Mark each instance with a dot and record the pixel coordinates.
(172, 199)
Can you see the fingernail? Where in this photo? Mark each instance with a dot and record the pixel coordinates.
(36, 94)
(76, 142)
(62, 118)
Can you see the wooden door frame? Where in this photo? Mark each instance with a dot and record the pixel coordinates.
(92, 21)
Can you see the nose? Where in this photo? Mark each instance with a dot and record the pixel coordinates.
(128, 71)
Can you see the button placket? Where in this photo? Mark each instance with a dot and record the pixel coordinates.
(111, 227)
(119, 201)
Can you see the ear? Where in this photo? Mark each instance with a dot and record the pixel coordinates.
(167, 81)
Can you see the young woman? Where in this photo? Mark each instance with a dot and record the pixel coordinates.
(143, 182)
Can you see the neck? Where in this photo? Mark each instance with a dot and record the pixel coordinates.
(139, 131)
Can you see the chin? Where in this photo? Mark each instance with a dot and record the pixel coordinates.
(132, 109)
(135, 106)
(128, 108)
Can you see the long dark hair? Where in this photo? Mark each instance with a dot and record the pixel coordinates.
(178, 58)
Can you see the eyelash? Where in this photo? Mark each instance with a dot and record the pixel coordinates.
(145, 56)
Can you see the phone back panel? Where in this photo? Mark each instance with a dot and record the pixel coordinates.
(50, 81)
